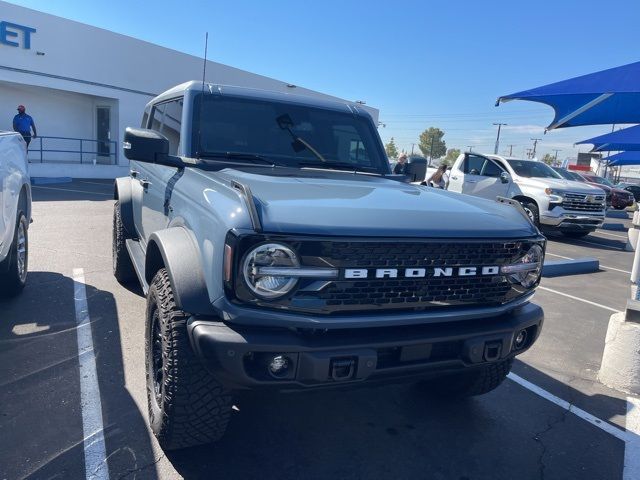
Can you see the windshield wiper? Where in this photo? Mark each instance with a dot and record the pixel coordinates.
(239, 156)
(338, 166)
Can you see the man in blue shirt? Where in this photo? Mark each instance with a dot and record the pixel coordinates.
(23, 123)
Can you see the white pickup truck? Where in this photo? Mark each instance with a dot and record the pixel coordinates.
(573, 208)
(15, 213)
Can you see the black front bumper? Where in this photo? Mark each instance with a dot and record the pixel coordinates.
(239, 357)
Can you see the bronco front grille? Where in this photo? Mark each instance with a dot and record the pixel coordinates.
(347, 295)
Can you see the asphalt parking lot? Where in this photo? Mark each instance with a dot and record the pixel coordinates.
(552, 419)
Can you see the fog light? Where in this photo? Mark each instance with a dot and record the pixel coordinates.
(279, 366)
(520, 340)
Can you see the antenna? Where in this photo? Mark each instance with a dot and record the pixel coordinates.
(204, 73)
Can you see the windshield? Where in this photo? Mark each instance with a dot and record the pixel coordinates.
(601, 181)
(532, 169)
(569, 175)
(286, 134)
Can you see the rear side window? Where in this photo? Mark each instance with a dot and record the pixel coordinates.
(167, 119)
(473, 164)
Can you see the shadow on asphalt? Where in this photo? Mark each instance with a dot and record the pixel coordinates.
(407, 432)
(41, 434)
(78, 190)
(595, 242)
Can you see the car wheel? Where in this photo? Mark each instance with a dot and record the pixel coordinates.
(187, 405)
(122, 266)
(532, 212)
(577, 234)
(468, 384)
(14, 268)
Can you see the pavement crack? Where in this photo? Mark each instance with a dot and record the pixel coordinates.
(538, 438)
(133, 471)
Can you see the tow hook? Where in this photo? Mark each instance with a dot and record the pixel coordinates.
(343, 369)
(492, 351)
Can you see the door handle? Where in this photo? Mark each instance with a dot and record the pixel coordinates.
(134, 173)
(454, 178)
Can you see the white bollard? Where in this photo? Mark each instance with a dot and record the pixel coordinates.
(620, 367)
(633, 233)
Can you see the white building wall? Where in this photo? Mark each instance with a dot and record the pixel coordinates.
(81, 66)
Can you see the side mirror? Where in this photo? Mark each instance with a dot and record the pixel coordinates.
(149, 146)
(505, 177)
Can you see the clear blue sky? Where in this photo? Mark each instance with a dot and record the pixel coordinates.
(422, 63)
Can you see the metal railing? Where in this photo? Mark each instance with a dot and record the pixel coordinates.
(85, 146)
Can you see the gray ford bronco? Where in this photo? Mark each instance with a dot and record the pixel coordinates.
(277, 251)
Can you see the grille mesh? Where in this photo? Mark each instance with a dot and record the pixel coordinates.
(579, 202)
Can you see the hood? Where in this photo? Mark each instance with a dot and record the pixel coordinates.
(344, 204)
(559, 184)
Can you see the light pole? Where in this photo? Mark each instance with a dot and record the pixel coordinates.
(431, 150)
(412, 145)
(470, 147)
(495, 150)
(511, 150)
(555, 160)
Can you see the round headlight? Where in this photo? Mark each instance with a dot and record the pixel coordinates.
(527, 270)
(269, 255)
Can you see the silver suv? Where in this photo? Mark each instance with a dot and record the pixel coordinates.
(575, 209)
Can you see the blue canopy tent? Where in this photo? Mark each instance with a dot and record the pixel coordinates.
(624, 158)
(609, 96)
(626, 139)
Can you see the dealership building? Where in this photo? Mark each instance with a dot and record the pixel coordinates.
(84, 85)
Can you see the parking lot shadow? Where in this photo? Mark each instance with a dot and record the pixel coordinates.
(78, 190)
(407, 432)
(41, 430)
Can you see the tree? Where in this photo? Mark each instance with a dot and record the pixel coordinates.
(452, 154)
(548, 159)
(432, 134)
(392, 150)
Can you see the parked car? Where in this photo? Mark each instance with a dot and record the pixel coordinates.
(573, 208)
(633, 188)
(272, 259)
(620, 199)
(15, 213)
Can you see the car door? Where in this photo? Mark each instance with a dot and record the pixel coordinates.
(151, 181)
(464, 173)
(490, 185)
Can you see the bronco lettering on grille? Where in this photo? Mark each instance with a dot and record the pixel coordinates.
(357, 273)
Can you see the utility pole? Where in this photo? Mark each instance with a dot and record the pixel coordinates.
(412, 145)
(511, 150)
(470, 147)
(535, 144)
(555, 160)
(529, 150)
(495, 150)
(431, 150)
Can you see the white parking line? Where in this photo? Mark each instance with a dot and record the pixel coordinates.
(632, 448)
(612, 234)
(606, 267)
(95, 464)
(579, 299)
(595, 421)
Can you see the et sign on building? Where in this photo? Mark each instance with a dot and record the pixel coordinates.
(84, 85)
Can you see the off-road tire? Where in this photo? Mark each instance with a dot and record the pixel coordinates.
(191, 407)
(576, 234)
(12, 282)
(469, 384)
(122, 266)
(532, 212)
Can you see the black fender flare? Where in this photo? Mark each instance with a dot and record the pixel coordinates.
(177, 250)
(123, 193)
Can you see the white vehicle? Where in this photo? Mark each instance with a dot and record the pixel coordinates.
(574, 208)
(15, 213)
